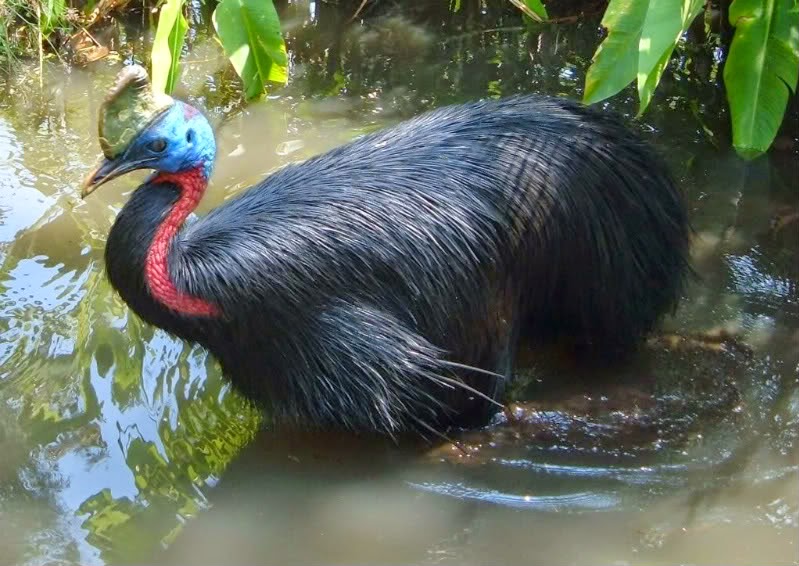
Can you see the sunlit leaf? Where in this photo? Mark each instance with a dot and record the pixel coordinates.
(641, 37)
(665, 23)
(167, 46)
(761, 70)
(533, 9)
(249, 31)
(615, 63)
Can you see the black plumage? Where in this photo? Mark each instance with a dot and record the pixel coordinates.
(356, 284)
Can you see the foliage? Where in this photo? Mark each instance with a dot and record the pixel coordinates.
(616, 60)
(759, 73)
(249, 31)
(533, 9)
(52, 12)
(17, 28)
(662, 30)
(642, 36)
(762, 69)
(250, 34)
(168, 44)
(29, 26)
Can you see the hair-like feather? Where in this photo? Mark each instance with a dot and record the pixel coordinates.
(356, 287)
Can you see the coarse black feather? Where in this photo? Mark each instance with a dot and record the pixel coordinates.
(354, 284)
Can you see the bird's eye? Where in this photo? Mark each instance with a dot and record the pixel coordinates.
(157, 145)
(190, 136)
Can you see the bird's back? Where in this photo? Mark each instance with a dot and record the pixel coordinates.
(459, 225)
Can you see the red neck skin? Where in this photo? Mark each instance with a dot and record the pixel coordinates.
(192, 186)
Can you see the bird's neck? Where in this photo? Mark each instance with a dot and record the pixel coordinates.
(192, 185)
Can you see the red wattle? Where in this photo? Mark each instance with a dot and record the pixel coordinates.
(192, 185)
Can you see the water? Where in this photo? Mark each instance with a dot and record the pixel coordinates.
(121, 444)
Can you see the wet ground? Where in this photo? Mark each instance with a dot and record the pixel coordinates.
(120, 444)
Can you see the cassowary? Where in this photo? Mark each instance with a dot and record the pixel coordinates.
(383, 286)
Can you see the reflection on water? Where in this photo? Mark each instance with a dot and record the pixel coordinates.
(118, 440)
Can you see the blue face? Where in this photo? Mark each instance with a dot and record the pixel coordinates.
(179, 140)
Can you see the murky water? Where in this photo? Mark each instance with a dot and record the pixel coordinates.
(118, 441)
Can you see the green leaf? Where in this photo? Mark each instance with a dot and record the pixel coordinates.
(641, 37)
(533, 9)
(615, 63)
(249, 31)
(168, 44)
(52, 12)
(665, 23)
(761, 70)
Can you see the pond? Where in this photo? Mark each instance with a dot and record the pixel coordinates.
(121, 444)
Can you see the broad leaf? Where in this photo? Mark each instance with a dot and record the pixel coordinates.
(615, 63)
(249, 31)
(761, 70)
(665, 23)
(168, 44)
(533, 9)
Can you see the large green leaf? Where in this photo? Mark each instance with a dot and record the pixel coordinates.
(761, 70)
(168, 44)
(533, 9)
(665, 23)
(250, 34)
(641, 38)
(615, 63)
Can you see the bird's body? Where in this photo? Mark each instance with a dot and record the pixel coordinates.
(351, 290)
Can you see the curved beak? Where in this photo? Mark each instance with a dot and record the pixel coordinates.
(109, 169)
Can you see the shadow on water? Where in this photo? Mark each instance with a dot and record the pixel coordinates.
(119, 441)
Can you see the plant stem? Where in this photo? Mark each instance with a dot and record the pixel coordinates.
(41, 45)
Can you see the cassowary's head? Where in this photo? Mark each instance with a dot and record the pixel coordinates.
(140, 130)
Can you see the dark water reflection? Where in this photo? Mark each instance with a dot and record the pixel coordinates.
(117, 440)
